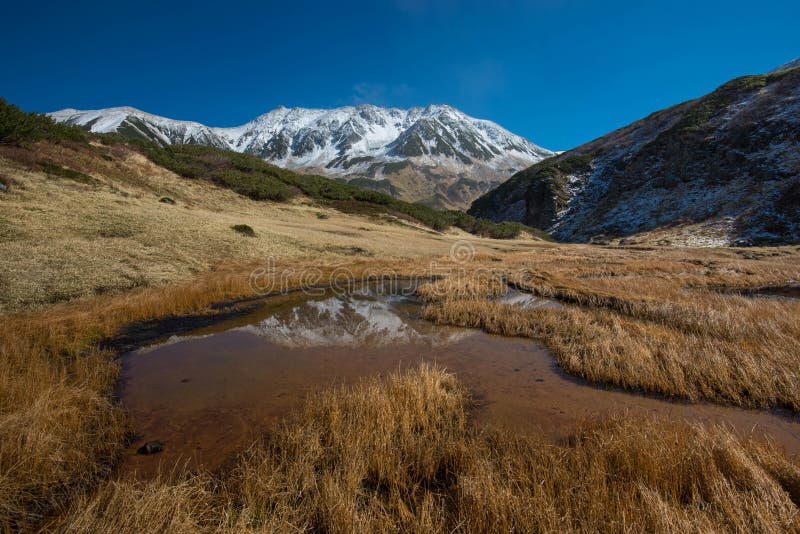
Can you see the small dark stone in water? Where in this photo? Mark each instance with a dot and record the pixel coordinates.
(167, 200)
(540, 379)
(184, 380)
(151, 447)
(516, 369)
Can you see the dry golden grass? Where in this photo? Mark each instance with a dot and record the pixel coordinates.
(363, 459)
(59, 427)
(606, 347)
(394, 456)
(130, 507)
(398, 455)
(61, 240)
(483, 284)
(651, 319)
(61, 431)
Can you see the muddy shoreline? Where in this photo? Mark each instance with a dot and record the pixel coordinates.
(208, 395)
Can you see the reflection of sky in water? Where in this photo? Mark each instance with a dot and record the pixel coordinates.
(356, 319)
(526, 300)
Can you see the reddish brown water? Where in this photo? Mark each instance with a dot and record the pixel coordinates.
(208, 394)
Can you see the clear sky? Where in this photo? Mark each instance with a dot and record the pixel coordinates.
(559, 72)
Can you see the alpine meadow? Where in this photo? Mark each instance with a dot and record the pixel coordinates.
(381, 307)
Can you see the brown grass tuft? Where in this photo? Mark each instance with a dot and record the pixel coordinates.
(466, 285)
(364, 459)
(397, 455)
(59, 430)
(59, 427)
(652, 320)
(133, 507)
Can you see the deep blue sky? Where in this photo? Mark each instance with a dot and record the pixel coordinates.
(559, 72)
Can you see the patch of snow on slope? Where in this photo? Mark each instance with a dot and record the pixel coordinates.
(328, 138)
(348, 321)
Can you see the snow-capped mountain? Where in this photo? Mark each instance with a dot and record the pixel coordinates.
(436, 154)
(721, 169)
(351, 320)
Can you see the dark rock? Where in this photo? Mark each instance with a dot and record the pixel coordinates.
(244, 229)
(151, 447)
(167, 200)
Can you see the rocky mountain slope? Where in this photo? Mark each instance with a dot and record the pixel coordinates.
(435, 154)
(721, 169)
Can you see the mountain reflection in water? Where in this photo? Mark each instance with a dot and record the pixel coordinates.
(207, 394)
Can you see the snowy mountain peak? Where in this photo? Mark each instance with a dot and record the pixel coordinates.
(423, 152)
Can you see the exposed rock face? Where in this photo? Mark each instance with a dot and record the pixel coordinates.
(731, 157)
(424, 154)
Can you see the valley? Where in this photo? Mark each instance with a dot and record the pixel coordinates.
(633, 322)
(194, 339)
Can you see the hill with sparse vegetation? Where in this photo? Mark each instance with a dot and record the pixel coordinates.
(721, 169)
(244, 174)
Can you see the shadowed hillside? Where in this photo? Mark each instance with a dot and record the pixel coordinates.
(717, 170)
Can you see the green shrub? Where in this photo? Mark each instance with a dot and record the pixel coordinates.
(244, 229)
(64, 172)
(255, 187)
(18, 127)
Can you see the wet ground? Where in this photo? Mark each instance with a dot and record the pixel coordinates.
(791, 292)
(788, 292)
(208, 393)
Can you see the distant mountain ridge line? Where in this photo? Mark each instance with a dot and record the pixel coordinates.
(424, 152)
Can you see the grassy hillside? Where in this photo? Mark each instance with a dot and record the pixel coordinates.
(254, 178)
(246, 175)
(84, 215)
(719, 169)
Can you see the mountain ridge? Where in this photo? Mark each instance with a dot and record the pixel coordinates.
(716, 170)
(425, 153)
